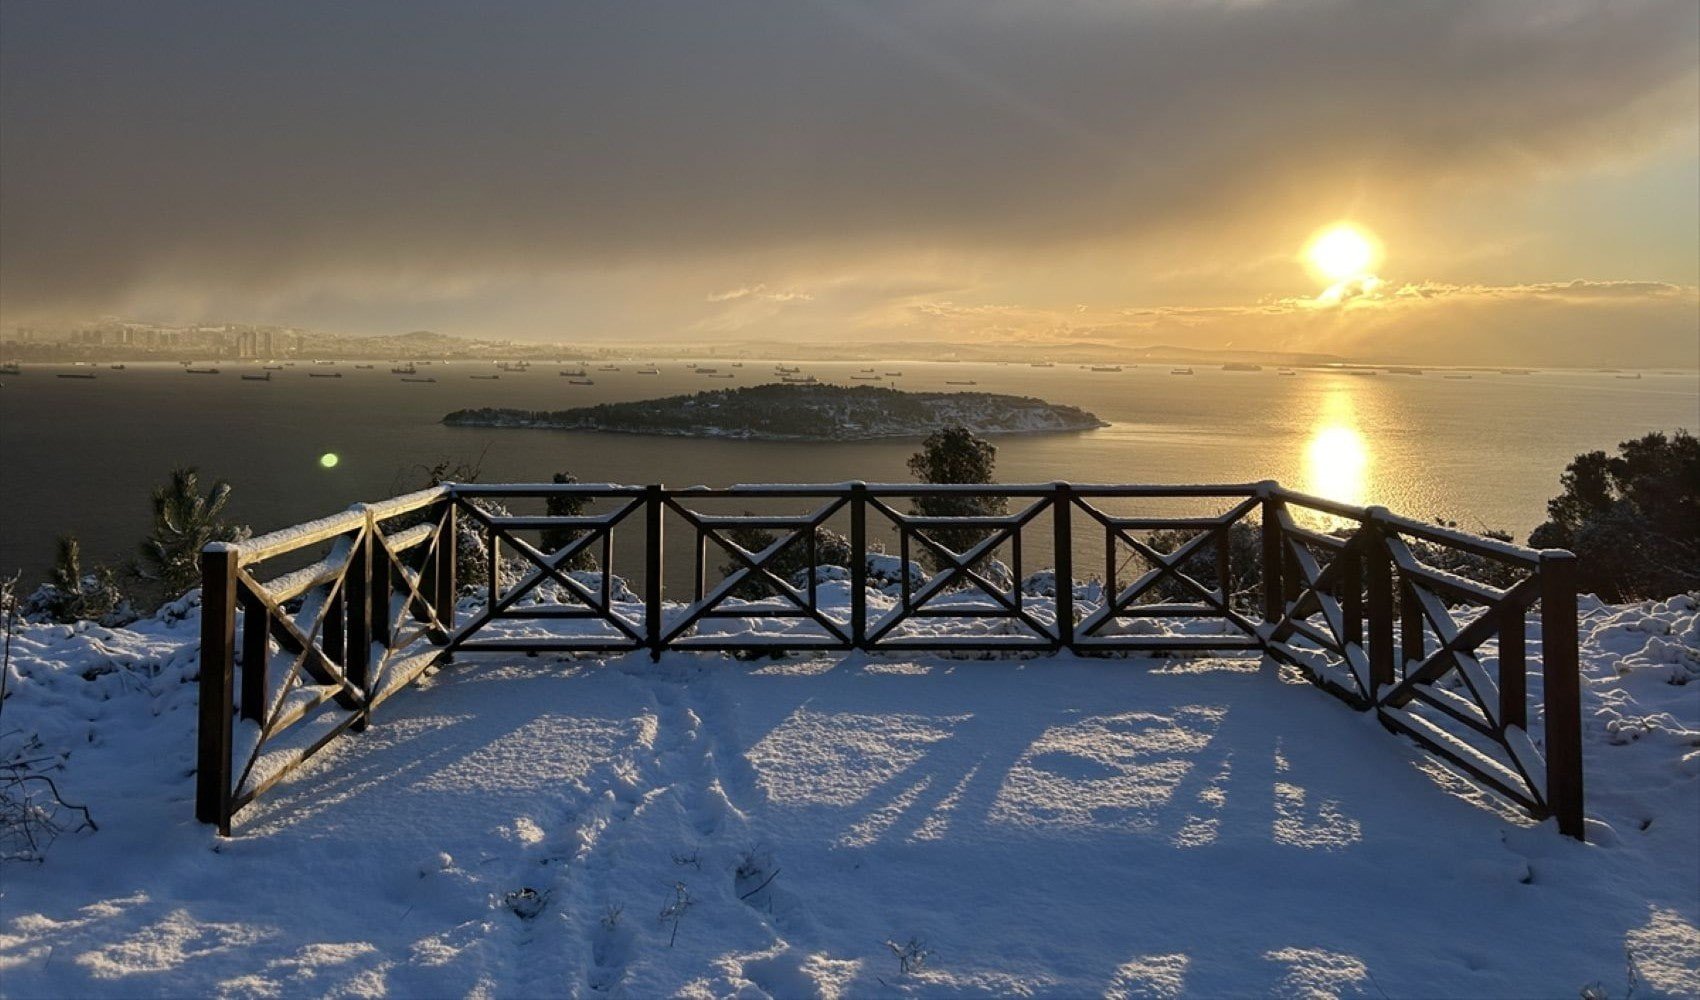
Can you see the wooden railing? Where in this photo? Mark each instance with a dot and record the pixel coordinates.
(1384, 612)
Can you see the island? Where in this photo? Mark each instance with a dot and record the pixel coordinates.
(799, 413)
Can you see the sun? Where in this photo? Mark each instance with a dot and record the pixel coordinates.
(1342, 252)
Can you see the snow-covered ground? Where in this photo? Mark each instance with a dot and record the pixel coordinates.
(707, 826)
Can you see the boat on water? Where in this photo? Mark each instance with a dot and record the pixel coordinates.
(720, 375)
(580, 381)
(422, 378)
(1286, 371)
(278, 368)
(75, 374)
(1041, 364)
(1180, 371)
(487, 377)
(262, 377)
(1106, 368)
(892, 374)
(609, 368)
(737, 364)
(363, 366)
(573, 374)
(116, 368)
(866, 378)
(867, 371)
(1516, 371)
(408, 369)
(1459, 378)
(1636, 375)
(324, 374)
(786, 370)
(965, 381)
(649, 371)
(200, 371)
(1360, 371)
(1241, 366)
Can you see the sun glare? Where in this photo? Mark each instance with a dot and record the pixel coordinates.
(1341, 252)
(1337, 455)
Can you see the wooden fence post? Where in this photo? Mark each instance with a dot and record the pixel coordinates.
(652, 569)
(1513, 668)
(357, 600)
(859, 564)
(1561, 678)
(1351, 588)
(445, 593)
(256, 655)
(1273, 605)
(1412, 643)
(378, 593)
(1062, 520)
(218, 685)
(1378, 577)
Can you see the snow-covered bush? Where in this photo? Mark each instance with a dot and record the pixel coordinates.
(73, 594)
(790, 563)
(886, 572)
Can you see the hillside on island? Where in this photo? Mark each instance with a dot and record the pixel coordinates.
(800, 412)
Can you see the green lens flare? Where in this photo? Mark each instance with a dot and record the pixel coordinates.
(329, 460)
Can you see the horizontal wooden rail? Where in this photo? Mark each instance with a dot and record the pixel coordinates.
(1379, 610)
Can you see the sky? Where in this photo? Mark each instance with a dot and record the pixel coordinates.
(1128, 173)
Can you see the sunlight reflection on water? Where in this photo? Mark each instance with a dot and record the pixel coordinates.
(1337, 454)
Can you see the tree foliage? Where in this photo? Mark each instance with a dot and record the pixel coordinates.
(791, 563)
(185, 521)
(1633, 519)
(955, 456)
(1245, 565)
(74, 593)
(555, 539)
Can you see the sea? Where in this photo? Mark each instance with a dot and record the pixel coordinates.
(1483, 449)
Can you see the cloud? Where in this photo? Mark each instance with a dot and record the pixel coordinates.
(759, 292)
(1576, 323)
(329, 161)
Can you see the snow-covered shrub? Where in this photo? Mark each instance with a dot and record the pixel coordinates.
(619, 591)
(472, 541)
(790, 563)
(822, 574)
(1245, 565)
(73, 594)
(886, 572)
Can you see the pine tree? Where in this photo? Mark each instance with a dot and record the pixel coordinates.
(555, 539)
(955, 455)
(184, 522)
